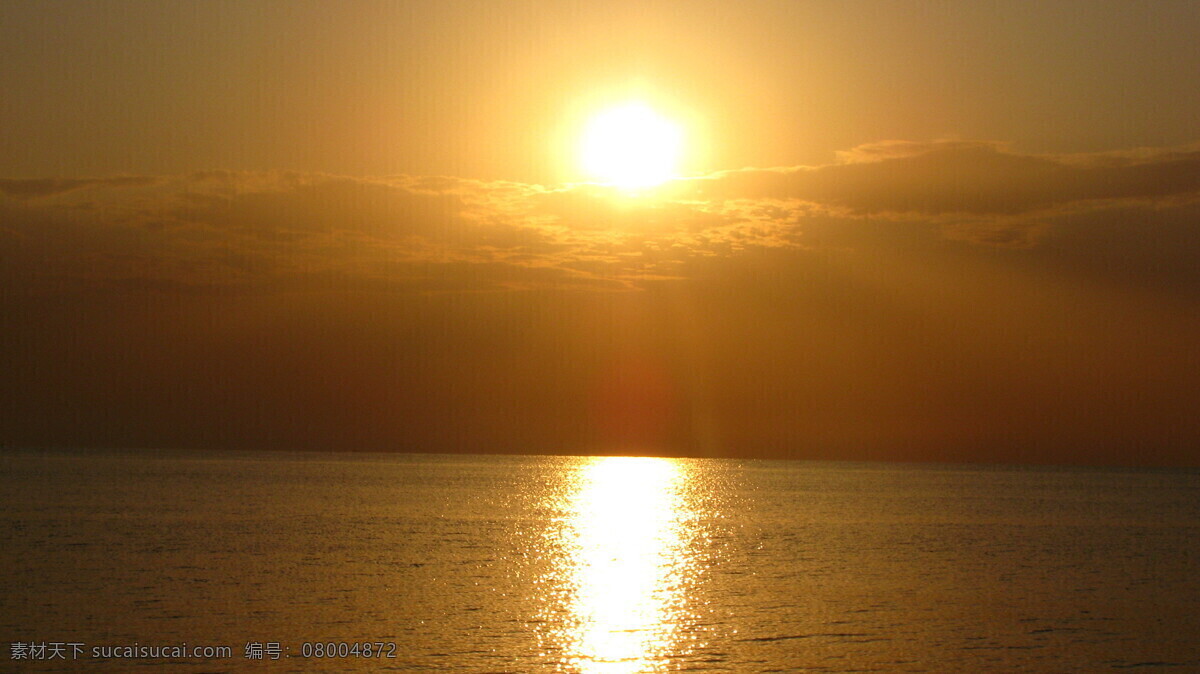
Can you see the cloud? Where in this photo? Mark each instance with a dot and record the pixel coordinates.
(958, 177)
(41, 187)
(226, 230)
(913, 300)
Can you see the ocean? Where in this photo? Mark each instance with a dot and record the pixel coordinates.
(267, 561)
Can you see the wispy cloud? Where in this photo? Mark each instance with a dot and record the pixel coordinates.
(968, 178)
(225, 229)
(41, 187)
(922, 298)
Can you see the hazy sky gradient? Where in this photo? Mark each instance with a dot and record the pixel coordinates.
(926, 231)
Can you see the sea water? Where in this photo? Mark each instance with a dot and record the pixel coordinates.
(262, 561)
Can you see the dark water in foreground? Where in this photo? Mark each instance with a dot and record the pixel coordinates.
(538, 564)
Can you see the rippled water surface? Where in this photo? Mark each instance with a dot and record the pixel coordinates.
(540, 564)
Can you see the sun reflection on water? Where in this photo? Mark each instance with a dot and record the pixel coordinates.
(626, 565)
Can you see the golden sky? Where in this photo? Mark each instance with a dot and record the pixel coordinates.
(905, 231)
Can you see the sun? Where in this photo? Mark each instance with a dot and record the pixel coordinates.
(631, 146)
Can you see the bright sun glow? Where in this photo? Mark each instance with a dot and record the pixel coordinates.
(632, 146)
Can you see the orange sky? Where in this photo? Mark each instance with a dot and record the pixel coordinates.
(960, 232)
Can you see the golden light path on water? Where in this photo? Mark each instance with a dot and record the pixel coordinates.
(627, 565)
